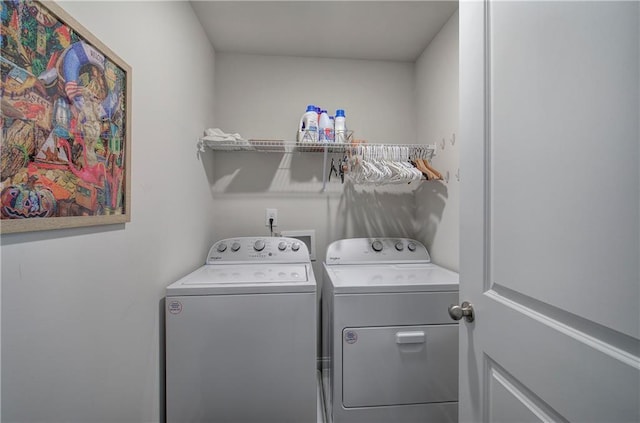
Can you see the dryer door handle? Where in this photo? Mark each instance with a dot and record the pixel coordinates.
(414, 337)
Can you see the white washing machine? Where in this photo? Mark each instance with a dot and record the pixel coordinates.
(392, 347)
(241, 336)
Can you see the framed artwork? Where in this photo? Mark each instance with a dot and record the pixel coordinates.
(65, 122)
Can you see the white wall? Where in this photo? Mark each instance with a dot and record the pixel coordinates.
(82, 308)
(263, 97)
(437, 204)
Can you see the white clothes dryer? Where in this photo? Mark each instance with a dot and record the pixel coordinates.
(392, 347)
(241, 336)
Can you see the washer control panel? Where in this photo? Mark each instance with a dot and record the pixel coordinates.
(365, 250)
(262, 249)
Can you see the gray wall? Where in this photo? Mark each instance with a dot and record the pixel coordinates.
(263, 97)
(437, 204)
(82, 308)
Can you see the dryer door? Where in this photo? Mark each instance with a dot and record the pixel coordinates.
(399, 365)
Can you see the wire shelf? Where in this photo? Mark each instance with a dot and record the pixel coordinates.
(280, 146)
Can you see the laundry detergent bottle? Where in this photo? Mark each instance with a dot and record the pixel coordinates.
(340, 127)
(308, 128)
(325, 127)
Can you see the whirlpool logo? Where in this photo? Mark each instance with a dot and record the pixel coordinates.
(350, 337)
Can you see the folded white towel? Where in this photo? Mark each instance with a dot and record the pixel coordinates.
(216, 134)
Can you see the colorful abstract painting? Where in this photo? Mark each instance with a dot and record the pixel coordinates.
(64, 120)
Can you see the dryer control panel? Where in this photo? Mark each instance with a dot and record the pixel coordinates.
(258, 249)
(378, 250)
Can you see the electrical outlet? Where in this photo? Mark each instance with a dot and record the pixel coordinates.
(271, 214)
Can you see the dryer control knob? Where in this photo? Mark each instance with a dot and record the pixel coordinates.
(377, 246)
(411, 246)
(282, 246)
(235, 246)
(399, 246)
(295, 246)
(258, 245)
(222, 247)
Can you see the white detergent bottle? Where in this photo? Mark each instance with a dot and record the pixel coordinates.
(340, 129)
(325, 128)
(308, 128)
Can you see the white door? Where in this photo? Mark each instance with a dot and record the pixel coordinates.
(550, 224)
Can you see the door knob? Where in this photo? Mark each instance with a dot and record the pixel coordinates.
(458, 312)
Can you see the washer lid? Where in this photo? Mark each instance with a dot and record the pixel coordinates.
(253, 278)
(391, 278)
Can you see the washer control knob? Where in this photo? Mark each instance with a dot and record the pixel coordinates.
(222, 247)
(258, 245)
(235, 246)
(377, 246)
(295, 246)
(399, 246)
(411, 246)
(282, 246)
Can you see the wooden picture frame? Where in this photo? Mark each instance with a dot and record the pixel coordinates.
(65, 121)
